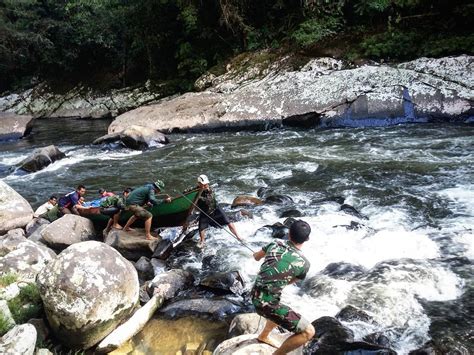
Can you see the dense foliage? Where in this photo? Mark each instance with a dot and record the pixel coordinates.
(121, 42)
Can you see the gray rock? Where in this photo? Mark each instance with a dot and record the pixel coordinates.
(15, 211)
(159, 266)
(364, 96)
(87, 291)
(135, 137)
(144, 268)
(13, 126)
(132, 245)
(249, 345)
(6, 315)
(34, 225)
(9, 292)
(350, 314)
(68, 230)
(10, 241)
(41, 158)
(229, 282)
(43, 351)
(20, 340)
(246, 323)
(205, 307)
(23, 257)
(169, 283)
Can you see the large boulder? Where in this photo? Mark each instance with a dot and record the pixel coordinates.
(15, 211)
(246, 323)
(326, 92)
(68, 230)
(132, 245)
(168, 284)
(135, 137)
(87, 291)
(23, 257)
(13, 126)
(20, 340)
(249, 345)
(41, 158)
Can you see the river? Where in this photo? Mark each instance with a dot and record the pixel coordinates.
(414, 183)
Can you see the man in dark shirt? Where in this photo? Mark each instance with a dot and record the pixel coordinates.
(139, 197)
(211, 214)
(67, 203)
(283, 265)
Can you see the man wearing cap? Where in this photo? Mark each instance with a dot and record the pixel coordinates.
(139, 197)
(284, 264)
(211, 214)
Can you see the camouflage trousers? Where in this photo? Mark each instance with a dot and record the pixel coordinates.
(268, 306)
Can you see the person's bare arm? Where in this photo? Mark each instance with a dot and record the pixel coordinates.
(258, 255)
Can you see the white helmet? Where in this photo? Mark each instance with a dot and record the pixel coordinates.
(202, 179)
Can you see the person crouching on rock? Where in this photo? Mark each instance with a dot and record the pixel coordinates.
(210, 214)
(139, 197)
(283, 265)
(112, 206)
(67, 203)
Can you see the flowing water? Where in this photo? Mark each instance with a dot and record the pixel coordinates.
(414, 183)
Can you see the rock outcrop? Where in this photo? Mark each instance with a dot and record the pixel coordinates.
(13, 126)
(15, 211)
(68, 230)
(132, 245)
(87, 291)
(135, 137)
(79, 102)
(41, 158)
(325, 92)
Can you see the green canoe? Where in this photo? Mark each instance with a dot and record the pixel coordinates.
(172, 214)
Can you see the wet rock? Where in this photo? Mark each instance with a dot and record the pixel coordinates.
(159, 266)
(169, 283)
(289, 221)
(230, 282)
(305, 120)
(350, 314)
(291, 213)
(352, 211)
(338, 199)
(135, 137)
(15, 211)
(144, 268)
(13, 126)
(319, 286)
(87, 291)
(352, 226)
(378, 338)
(246, 201)
(277, 230)
(68, 230)
(246, 323)
(262, 192)
(20, 340)
(333, 338)
(344, 271)
(34, 224)
(236, 216)
(132, 245)
(214, 308)
(41, 158)
(278, 199)
(163, 250)
(23, 257)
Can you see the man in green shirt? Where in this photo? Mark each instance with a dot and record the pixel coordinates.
(142, 196)
(284, 264)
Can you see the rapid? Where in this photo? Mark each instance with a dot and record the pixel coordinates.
(411, 254)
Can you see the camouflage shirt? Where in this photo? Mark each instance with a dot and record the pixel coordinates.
(283, 263)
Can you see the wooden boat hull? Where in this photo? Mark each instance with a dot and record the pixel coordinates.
(172, 214)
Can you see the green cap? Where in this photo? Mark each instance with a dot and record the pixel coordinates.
(159, 185)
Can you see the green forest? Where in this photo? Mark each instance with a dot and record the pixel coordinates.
(117, 43)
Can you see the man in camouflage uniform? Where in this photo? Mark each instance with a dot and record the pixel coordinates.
(283, 265)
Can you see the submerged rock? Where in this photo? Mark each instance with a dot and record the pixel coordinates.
(135, 137)
(87, 291)
(15, 211)
(13, 126)
(20, 340)
(278, 199)
(68, 230)
(344, 271)
(350, 314)
(352, 211)
(41, 158)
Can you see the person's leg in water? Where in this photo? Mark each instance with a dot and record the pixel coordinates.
(202, 237)
(296, 340)
(264, 336)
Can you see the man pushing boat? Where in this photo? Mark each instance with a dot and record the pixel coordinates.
(139, 197)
